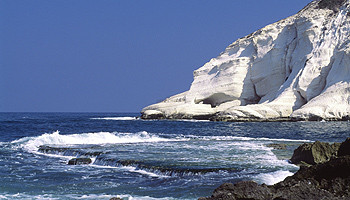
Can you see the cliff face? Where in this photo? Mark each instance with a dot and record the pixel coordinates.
(296, 68)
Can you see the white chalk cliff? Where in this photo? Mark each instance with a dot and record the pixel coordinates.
(297, 68)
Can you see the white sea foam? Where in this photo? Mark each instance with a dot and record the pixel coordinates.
(55, 138)
(116, 118)
(273, 177)
(27, 196)
(190, 120)
(224, 138)
(129, 197)
(76, 196)
(130, 169)
(144, 172)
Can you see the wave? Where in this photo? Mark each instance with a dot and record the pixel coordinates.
(100, 138)
(116, 118)
(273, 177)
(237, 138)
(77, 196)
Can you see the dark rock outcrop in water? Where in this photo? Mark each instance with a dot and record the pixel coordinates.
(116, 198)
(327, 180)
(79, 161)
(68, 151)
(277, 146)
(317, 152)
(170, 170)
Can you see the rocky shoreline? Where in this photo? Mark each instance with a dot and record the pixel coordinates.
(160, 116)
(324, 174)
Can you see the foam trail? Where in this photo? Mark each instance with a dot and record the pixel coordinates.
(55, 138)
(116, 118)
(144, 172)
(224, 138)
(77, 196)
(273, 177)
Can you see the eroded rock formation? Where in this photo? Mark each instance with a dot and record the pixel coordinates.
(297, 68)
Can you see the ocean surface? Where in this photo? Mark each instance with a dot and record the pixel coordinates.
(138, 159)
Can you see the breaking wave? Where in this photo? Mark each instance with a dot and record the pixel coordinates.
(100, 138)
(237, 138)
(21, 196)
(273, 177)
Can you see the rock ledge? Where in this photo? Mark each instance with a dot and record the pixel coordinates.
(325, 180)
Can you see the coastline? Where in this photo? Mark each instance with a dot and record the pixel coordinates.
(215, 117)
(327, 178)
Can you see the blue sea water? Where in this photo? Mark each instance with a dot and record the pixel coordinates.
(138, 159)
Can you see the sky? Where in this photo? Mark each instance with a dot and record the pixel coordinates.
(116, 55)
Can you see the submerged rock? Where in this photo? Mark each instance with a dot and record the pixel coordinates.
(79, 161)
(69, 151)
(328, 180)
(294, 69)
(170, 170)
(277, 146)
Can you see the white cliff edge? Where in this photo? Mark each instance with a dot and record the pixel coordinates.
(297, 68)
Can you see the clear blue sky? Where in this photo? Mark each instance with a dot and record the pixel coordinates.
(116, 56)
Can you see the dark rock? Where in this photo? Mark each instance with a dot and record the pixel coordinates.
(79, 161)
(153, 116)
(331, 4)
(277, 146)
(115, 198)
(344, 148)
(170, 170)
(202, 117)
(68, 151)
(327, 180)
(317, 152)
(242, 190)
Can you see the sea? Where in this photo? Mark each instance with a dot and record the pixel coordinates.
(144, 159)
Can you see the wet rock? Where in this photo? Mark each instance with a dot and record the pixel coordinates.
(314, 153)
(79, 161)
(327, 180)
(170, 170)
(242, 190)
(69, 151)
(344, 148)
(277, 146)
(115, 198)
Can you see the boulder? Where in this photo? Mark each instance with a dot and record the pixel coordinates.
(241, 190)
(344, 148)
(324, 180)
(79, 161)
(329, 180)
(314, 153)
